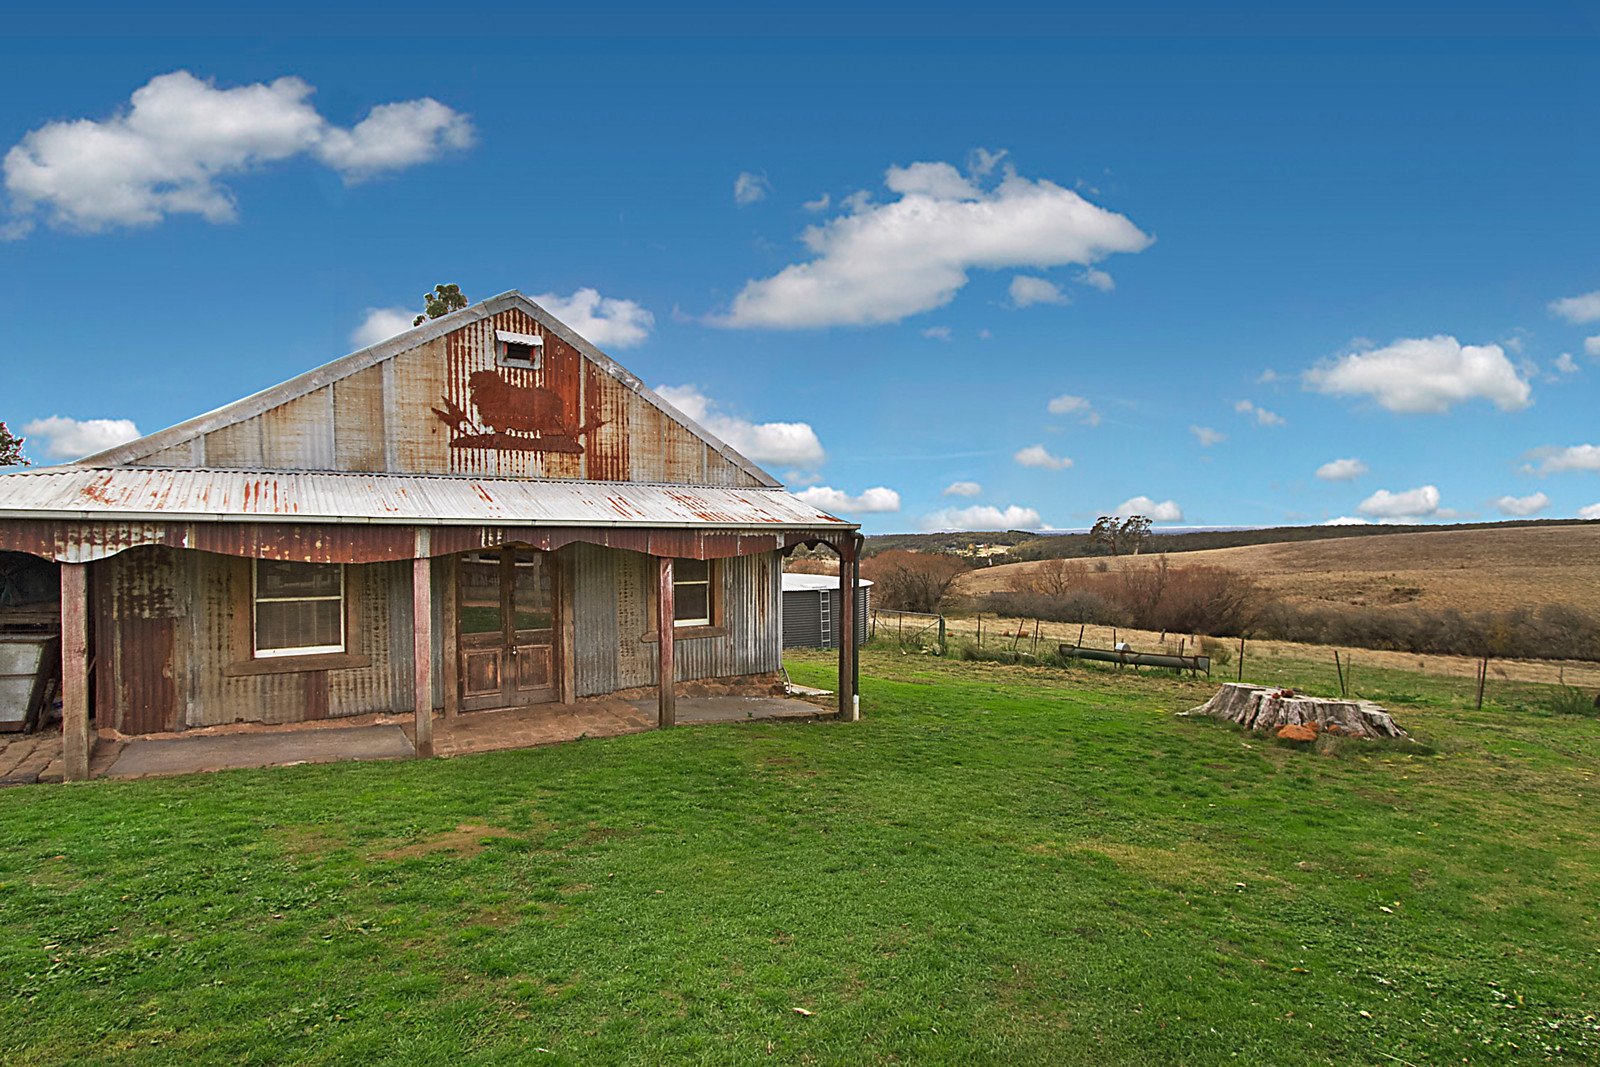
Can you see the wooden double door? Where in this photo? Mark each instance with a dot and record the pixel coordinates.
(507, 628)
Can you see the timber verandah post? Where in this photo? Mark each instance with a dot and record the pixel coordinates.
(422, 647)
(666, 615)
(75, 738)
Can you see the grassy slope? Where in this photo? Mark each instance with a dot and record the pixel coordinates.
(997, 863)
(1468, 570)
(1025, 545)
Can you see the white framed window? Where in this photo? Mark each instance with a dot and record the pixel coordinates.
(691, 592)
(297, 609)
(518, 349)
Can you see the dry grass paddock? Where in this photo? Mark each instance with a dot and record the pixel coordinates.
(1464, 570)
(1018, 633)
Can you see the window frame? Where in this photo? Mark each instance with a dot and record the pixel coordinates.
(531, 344)
(684, 631)
(256, 600)
(709, 581)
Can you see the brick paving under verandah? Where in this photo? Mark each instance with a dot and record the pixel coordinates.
(30, 758)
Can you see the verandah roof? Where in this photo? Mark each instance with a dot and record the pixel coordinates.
(159, 494)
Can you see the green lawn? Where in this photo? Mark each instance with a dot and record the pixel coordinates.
(997, 864)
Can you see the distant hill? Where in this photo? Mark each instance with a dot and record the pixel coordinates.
(1020, 545)
(1481, 567)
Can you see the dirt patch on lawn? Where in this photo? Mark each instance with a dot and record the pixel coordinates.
(465, 840)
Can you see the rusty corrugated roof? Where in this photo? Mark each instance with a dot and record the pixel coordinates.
(152, 494)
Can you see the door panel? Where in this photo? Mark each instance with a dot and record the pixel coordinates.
(480, 673)
(506, 626)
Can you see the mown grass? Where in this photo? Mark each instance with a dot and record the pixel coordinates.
(997, 864)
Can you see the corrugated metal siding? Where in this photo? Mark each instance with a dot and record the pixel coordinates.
(357, 423)
(595, 619)
(611, 615)
(358, 420)
(802, 617)
(215, 637)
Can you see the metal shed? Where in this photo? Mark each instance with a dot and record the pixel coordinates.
(811, 610)
(484, 511)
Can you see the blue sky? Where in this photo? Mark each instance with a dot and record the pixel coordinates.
(1241, 258)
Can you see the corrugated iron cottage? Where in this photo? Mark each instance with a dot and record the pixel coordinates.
(485, 511)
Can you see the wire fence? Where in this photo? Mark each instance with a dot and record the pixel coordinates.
(909, 629)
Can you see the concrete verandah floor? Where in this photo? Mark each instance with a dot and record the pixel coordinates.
(37, 757)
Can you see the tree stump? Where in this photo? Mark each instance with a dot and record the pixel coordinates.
(1260, 707)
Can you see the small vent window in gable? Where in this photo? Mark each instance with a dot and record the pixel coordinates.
(524, 350)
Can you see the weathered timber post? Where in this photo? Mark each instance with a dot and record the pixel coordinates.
(666, 613)
(855, 649)
(847, 629)
(422, 651)
(75, 671)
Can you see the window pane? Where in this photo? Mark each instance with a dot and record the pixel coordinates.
(298, 624)
(480, 595)
(690, 603)
(690, 570)
(275, 578)
(530, 593)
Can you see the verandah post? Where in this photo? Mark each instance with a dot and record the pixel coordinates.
(422, 651)
(666, 613)
(847, 629)
(75, 671)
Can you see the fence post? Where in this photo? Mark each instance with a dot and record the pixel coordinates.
(1241, 658)
(942, 648)
(1340, 669)
(980, 629)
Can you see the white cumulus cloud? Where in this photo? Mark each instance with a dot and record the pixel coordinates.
(1425, 375)
(983, 517)
(1038, 457)
(1348, 520)
(1156, 511)
(1591, 511)
(1342, 470)
(380, 324)
(748, 188)
(1418, 503)
(877, 500)
(792, 444)
(1554, 460)
(940, 181)
(1578, 309)
(937, 333)
(963, 489)
(1262, 416)
(179, 137)
(63, 438)
(1027, 290)
(1067, 404)
(1565, 364)
(1097, 279)
(603, 321)
(1207, 436)
(1591, 346)
(1522, 506)
(880, 263)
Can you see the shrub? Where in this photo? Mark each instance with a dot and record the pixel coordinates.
(911, 581)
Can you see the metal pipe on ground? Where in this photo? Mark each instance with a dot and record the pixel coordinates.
(1138, 659)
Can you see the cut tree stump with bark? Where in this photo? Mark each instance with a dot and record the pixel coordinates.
(1265, 708)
